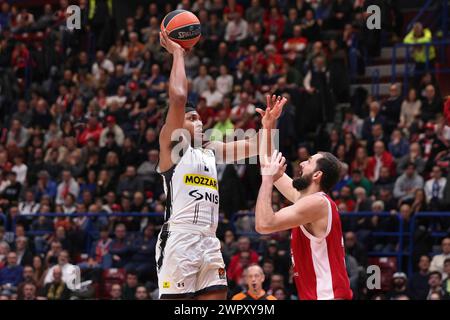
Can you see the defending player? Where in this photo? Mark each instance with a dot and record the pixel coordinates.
(317, 245)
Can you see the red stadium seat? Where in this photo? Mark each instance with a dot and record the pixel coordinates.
(388, 266)
(110, 277)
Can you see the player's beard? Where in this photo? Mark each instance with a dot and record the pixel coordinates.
(303, 182)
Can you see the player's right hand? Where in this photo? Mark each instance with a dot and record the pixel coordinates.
(170, 45)
(275, 166)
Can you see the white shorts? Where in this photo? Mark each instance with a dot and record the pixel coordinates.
(189, 263)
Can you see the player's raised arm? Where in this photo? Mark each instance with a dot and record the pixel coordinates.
(306, 210)
(273, 111)
(231, 152)
(177, 99)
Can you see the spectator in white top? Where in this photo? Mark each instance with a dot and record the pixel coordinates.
(120, 97)
(28, 206)
(224, 82)
(237, 28)
(437, 264)
(200, 83)
(20, 169)
(212, 95)
(410, 109)
(434, 187)
(17, 135)
(67, 185)
(68, 270)
(102, 63)
(111, 126)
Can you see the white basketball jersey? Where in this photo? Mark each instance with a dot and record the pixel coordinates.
(192, 191)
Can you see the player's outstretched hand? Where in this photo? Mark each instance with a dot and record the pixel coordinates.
(275, 166)
(170, 45)
(273, 110)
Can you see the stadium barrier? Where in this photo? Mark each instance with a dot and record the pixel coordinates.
(432, 233)
(246, 228)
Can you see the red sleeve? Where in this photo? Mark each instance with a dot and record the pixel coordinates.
(254, 257)
(370, 168)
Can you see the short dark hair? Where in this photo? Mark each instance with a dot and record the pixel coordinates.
(435, 273)
(331, 168)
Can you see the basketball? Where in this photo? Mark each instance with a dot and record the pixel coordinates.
(183, 27)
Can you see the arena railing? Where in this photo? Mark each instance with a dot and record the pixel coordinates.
(400, 233)
(91, 235)
(410, 70)
(432, 233)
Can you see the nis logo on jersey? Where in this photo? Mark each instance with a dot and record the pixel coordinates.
(200, 180)
(207, 196)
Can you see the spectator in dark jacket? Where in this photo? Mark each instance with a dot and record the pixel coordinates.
(143, 253)
(418, 284)
(11, 275)
(120, 247)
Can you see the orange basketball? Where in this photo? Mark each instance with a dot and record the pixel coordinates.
(183, 27)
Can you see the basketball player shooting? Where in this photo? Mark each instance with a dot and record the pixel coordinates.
(189, 260)
(317, 246)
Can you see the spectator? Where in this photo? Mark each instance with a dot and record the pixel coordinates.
(414, 156)
(236, 29)
(113, 128)
(435, 284)
(422, 54)
(24, 255)
(391, 108)
(407, 184)
(255, 13)
(362, 202)
(200, 83)
(381, 158)
(358, 180)
(67, 185)
(446, 276)
(224, 81)
(129, 182)
(213, 96)
(143, 254)
(399, 286)
(431, 104)
(276, 282)
(116, 292)
(93, 131)
(434, 188)
(375, 117)
(242, 114)
(142, 293)
(56, 289)
(11, 274)
(410, 110)
(418, 283)
(17, 135)
(101, 63)
(130, 287)
(29, 291)
(355, 249)
(67, 269)
(398, 146)
(437, 263)
(120, 247)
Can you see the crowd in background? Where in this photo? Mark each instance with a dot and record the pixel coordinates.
(80, 113)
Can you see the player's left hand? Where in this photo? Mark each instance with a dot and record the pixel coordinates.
(273, 110)
(273, 166)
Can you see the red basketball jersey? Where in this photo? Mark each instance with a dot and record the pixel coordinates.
(319, 263)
